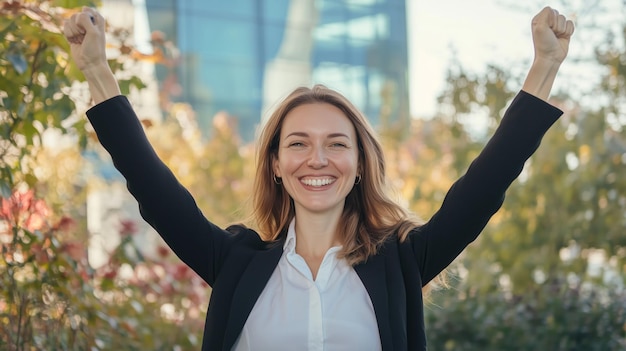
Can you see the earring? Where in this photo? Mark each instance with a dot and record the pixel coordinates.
(358, 179)
(277, 180)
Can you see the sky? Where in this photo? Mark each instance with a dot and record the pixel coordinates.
(482, 32)
(478, 35)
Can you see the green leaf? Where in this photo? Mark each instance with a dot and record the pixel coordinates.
(71, 4)
(17, 61)
(82, 141)
(11, 88)
(127, 84)
(137, 83)
(124, 86)
(6, 25)
(5, 189)
(55, 40)
(28, 130)
(31, 180)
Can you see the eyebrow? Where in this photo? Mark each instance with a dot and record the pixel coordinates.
(332, 135)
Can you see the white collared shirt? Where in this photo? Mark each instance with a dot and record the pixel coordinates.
(294, 312)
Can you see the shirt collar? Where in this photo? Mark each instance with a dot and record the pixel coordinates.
(290, 242)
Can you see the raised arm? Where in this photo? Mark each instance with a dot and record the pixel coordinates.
(163, 202)
(479, 193)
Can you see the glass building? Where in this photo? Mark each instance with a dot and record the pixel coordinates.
(242, 56)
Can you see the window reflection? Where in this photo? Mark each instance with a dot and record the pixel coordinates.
(235, 53)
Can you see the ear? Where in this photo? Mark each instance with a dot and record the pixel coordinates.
(275, 167)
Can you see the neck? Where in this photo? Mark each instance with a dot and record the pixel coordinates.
(316, 233)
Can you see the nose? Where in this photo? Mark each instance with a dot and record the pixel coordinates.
(317, 158)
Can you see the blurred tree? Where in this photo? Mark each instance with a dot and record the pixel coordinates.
(50, 298)
(553, 316)
(437, 150)
(35, 80)
(38, 84)
(550, 265)
(565, 215)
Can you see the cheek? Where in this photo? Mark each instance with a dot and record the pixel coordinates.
(286, 163)
(349, 164)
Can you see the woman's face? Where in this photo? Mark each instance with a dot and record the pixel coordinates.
(317, 157)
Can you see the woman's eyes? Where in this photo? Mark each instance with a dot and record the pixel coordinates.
(332, 145)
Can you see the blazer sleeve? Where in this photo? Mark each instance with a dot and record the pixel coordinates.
(479, 193)
(163, 202)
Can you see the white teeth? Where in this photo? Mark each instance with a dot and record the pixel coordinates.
(317, 182)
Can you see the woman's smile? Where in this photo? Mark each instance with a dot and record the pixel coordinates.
(323, 182)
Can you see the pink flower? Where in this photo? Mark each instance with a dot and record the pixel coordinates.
(22, 209)
(65, 223)
(110, 274)
(163, 251)
(182, 272)
(128, 227)
(75, 250)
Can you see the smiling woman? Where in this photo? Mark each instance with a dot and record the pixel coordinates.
(334, 263)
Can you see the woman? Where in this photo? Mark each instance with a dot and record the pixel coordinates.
(334, 264)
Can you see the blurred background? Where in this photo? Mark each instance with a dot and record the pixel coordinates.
(80, 270)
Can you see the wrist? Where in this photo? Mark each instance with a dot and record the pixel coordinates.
(102, 83)
(541, 77)
(97, 71)
(544, 65)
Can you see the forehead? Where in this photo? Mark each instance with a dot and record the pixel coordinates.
(317, 118)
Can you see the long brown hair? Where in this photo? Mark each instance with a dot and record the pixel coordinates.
(369, 217)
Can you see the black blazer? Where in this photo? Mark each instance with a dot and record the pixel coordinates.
(237, 264)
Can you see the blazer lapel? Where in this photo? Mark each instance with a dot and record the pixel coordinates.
(373, 275)
(250, 286)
